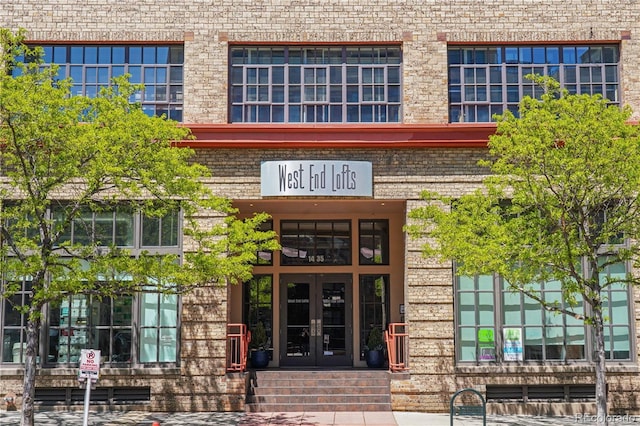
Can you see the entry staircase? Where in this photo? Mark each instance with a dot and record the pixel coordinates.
(319, 390)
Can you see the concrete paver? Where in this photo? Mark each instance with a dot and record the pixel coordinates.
(338, 418)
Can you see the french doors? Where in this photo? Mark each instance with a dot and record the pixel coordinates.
(316, 314)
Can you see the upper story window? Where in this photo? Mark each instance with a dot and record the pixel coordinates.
(487, 80)
(315, 84)
(158, 67)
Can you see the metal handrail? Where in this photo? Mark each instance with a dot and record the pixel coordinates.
(238, 338)
(397, 338)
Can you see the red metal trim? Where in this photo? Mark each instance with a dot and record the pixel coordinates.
(238, 43)
(238, 338)
(532, 43)
(397, 339)
(339, 136)
(105, 42)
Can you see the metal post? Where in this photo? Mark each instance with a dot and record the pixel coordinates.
(87, 397)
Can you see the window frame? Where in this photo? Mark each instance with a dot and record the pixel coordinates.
(159, 67)
(255, 310)
(379, 235)
(308, 230)
(6, 310)
(498, 71)
(85, 331)
(499, 323)
(50, 324)
(315, 84)
(379, 305)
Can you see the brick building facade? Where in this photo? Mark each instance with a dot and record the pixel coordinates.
(424, 139)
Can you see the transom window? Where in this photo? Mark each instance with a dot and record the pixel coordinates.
(374, 241)
(323, 242)
(316, 84)
(123, 227)
(487, 80)
(158, 67)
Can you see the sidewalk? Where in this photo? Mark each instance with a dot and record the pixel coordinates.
(387, 418)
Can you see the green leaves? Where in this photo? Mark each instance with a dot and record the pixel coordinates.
(64, 156)
(563, 191)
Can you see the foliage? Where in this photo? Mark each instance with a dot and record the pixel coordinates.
(258, 337)
(71, 154)
(375, 341)
(562, 193)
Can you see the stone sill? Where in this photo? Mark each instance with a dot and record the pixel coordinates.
(543, 369)
(66, 371)
(400, 375)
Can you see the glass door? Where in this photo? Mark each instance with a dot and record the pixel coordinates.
(316, 313)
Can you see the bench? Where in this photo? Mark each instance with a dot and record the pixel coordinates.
(468, 410)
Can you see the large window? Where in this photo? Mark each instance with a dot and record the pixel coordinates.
(315, 84)
(488, 313)
(139, 329)
(488, 80)
(86, 322)
(158, 67)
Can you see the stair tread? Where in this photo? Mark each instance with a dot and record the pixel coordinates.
(322, 390)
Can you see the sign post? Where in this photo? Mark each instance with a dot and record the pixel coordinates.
(89, 371)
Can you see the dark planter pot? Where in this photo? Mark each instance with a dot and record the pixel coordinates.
(259, 359)
(375, 359)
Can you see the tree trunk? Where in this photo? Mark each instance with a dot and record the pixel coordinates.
(600, 366)
(29, 388)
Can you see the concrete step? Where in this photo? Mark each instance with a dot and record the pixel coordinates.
(320, 407)
(292, 389)
(319, 390)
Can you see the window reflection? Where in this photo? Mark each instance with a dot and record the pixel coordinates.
(315, 242)
(82, 322)
(374, 306)
(374, 242)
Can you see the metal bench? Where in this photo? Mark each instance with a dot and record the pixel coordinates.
(468, 410)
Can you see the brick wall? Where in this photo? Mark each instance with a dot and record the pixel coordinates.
(423, 28)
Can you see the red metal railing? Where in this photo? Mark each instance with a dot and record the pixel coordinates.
(238, 338)
(397, 338)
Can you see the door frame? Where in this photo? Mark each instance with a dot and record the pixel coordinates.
(317, 356)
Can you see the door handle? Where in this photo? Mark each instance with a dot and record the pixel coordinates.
(312, 331)
(318, 327)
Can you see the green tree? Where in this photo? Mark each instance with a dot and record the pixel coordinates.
(561, 203)
(71, 154)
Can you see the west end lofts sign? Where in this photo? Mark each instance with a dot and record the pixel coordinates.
(316, 178)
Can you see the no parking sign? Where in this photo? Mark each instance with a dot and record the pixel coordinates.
(89, 363)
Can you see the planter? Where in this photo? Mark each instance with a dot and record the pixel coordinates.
(259, 359)
(375, 359)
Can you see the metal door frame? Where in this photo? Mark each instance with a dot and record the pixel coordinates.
(316, 357)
